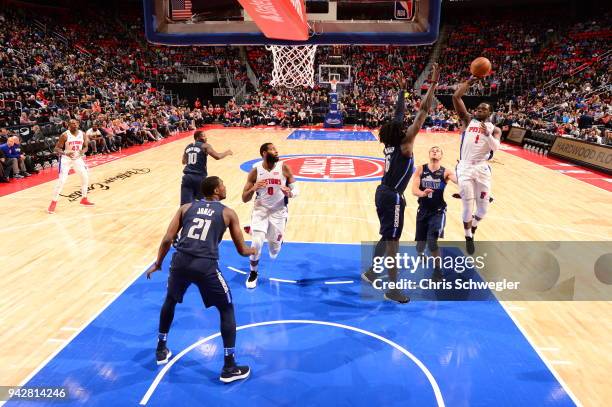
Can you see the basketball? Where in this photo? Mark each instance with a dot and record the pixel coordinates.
(480, 67)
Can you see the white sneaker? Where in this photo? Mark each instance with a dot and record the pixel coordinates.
(252, 280)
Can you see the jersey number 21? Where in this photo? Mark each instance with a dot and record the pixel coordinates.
(197, 226)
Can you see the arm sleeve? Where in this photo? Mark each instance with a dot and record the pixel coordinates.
(400, 107)
(493, 142)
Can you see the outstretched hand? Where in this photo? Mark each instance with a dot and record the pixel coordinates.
(435, 73)
(401, 80)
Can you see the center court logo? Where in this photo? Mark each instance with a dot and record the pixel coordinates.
(330, 167)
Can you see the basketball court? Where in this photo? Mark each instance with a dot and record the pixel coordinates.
(310, 331)
(78, 312)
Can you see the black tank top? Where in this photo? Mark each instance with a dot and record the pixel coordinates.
(398, 169)
(202, 229)
(432, 180)
(196, 159)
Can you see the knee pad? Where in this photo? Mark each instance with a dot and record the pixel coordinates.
(257, 243)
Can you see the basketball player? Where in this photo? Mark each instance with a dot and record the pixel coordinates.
(194, 160)
(399, 164)
(272, 183)
(429, 181)
(71, 147)
(479, 140)
(202, 224)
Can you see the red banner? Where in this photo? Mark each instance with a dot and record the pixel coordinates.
(279, 19)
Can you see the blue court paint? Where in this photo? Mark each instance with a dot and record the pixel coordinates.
(473, 350)
(335, 135)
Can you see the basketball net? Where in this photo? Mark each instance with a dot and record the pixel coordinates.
(293, 65)
(333, 83)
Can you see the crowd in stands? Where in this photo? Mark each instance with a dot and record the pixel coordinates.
(549, 74)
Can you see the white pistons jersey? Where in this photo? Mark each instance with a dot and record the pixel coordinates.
(270, 196)
(474, 149)
(74, 142)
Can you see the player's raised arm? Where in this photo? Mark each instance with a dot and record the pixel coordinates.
(458, 104)
(166, 243)
(400, 105)
(233, 224)
(426, 102)
(251, 186)
(217, 156)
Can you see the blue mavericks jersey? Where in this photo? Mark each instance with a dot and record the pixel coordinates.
(398, 169)
(432, 180)
(196, 159)
(202, 229)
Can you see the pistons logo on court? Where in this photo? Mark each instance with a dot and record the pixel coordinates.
(330, 167)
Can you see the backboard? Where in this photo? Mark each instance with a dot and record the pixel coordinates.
(225, 22)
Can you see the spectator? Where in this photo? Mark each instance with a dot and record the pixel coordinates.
(17, 160)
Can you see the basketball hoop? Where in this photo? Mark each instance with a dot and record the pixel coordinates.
(333, 83)
(293, 65)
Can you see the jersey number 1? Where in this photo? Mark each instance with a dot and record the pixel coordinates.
(192, 158)
(477, 138)
(194, 229)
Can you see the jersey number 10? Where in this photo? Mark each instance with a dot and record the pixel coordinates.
(198, 225)
(192, 158)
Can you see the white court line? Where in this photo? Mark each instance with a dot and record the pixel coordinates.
(282, 280)
(548, 349)
(85, 325)
(548, 364)
(420, 365)
(340, 282)
(68, 328)
(515, 308)
(236, 270)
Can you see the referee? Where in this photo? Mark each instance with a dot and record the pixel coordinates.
(195, 171)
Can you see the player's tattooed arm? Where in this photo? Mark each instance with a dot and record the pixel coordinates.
(426, 102)
(251, 186)
(291, 190)
(460, 108)
(166, 243)
(217, 156)
(60, 145)
(85, 145)
(231, 220)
